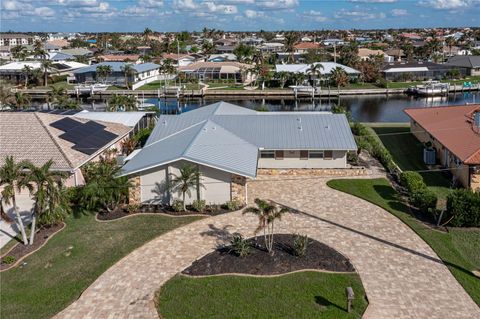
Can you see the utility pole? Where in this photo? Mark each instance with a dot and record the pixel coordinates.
(335, 51)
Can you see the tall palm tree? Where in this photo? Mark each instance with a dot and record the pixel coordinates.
(267, 214)
(27, 72)
(47, 66)
(39, 51)
(6, 96)
(291, 38)
(167, 68)
(314, 72)
(339, 77)
(450, 41)
(103, 71)
(128, 70)
(189, 177)
(11, 176)
(207, 47)
(146, 34)
(45, 185)
(126, 103)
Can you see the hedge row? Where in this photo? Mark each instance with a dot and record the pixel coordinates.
(368, 141)
(463, 208)
(420, 196)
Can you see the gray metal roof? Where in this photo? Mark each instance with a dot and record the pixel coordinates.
(228, 137)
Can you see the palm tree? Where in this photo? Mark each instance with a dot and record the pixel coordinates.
(450, 41)
(291, 39)
(103, 71)
(339, 77)
(6, 96)
(282, 77)
(38, 50)
(314, 72)
(11, 176)
(207, 47)
(27, 72)
(47, 66)
(167, 68)
(188, 178)
(19, 52)
(45, 185)
(21, 100)
(126, 103)
(128, 70)
(267, 214)
(146, 33)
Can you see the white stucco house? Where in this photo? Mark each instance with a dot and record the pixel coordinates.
(231, 145)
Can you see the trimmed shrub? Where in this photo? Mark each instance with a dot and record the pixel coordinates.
(232, 205)
(132, 208)
(199, 205)
(412, 181)
(424, 199)
(240, 246)
(300, 245)
(177, 205)
(9, 260)
(463, 207)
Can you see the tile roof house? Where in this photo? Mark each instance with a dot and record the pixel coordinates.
(454, 132)
(231, 143)
(325, 71)
(303, 47)
(470, 62)
(70, 143)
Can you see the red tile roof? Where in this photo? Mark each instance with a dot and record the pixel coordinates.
(453, 127)
(306, 45)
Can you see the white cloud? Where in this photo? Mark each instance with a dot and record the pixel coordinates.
(399, 12)
(14, 5)
(374, 1)
(278, 4)
(220, 8)
(448, 4)
(150, 3)
(44, 12)
(253, 14)
(344, 14)
(315, 16)
(184, 5)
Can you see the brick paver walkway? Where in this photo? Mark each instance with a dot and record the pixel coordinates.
(402, 276)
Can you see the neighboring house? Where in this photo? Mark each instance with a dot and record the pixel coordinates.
(419, 71)
(303, 47)
(133, 58)
(78, 52)
(470, 62)
(332, 42)
(397, 54)
(325, 71)
(135, 120)
(454, 132)
(55, 56)
(182, 59)
(222, 57)
(225, 48)
(70, 143)
(366, 54)
(231, 144)
(62, 43)
(144, 73)
(14, 39)
(270, 47)
(14, 71)
(206, 71)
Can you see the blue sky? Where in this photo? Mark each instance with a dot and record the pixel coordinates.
(235, 15)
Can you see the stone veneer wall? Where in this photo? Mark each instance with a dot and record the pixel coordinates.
(357, 171)
(238, 189)
(134, 193)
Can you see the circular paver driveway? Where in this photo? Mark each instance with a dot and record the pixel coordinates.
(402, 276)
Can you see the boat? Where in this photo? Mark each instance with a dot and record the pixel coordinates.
(431, 88)
(91, 88)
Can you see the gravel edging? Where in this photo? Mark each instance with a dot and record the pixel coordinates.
(140, 214)
(268, 276)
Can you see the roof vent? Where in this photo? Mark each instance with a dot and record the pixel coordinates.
(300, 128)
(164, 122)
(327, 127)
(214, 128)
(299, 119)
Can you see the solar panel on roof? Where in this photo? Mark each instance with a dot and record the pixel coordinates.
(79, 132)
(65, 124)
(70, 112)
(94, 142)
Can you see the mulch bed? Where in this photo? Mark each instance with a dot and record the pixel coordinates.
(20, 250)
(260, 262)
(121, 212)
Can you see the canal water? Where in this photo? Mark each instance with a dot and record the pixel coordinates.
(364, 108)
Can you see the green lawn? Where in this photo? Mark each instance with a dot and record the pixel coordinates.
(407, 152)
(54, 277)
(458, 248)
(297, 295)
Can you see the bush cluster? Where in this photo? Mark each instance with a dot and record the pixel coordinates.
(366, 140)
(9, 260)
(233, 205)
(463, 208)
(240, 246)
(199, 205)
(300, 245)
(420, 196)
(177, 205)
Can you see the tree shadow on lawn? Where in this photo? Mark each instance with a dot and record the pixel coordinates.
(324, 302)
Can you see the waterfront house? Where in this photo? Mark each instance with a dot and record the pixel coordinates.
(69, 142)
(14, 72)
(410, 71)
(133, 58)
(231, 144)
(303, 47)
(228, 70)
(454, 132)
(325, 71)
(470, 62)
(143, 73)
(14, 39)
